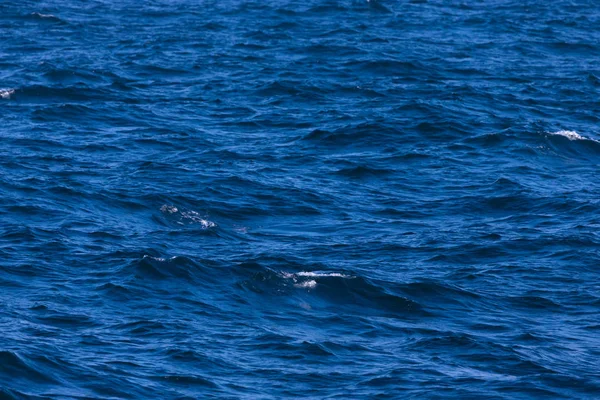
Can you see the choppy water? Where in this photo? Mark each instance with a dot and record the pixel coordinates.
(277, 198)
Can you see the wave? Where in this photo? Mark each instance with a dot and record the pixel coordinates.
(375, 5)
(186, 217)
(6, 93)
(15, 367)
(185, 380)
(141, 327)
(47, 94)
(303, 279)
(387, 67)
(46, 17)
(324, 274)
(534, 302)
(365, 134)
(572, 135)
(566, 143)
(363, 171)
(330, 289)
(160, 268)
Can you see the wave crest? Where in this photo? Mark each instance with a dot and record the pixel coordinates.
(572, 135)
(330, 289)
(6, 93)
(186, 217)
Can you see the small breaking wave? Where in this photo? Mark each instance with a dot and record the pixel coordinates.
(155, 268)
(317, 274)
(305, 279)
(310, 284)
(169, 209)
(330, 289)
(14, 366)
(186, 217)
(6, 93)
(572, 135)
(40, 15)
(45, 17)
(193, 216)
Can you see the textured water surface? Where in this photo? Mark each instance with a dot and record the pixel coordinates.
(278, 198)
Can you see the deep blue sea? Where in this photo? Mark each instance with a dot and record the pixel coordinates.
(321, 199)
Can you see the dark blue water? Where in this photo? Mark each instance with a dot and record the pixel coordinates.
(313, 199)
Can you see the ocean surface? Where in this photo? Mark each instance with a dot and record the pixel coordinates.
(315, 199)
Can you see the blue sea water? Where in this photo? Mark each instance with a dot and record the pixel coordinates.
(299, 199)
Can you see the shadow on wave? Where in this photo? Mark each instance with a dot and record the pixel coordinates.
(14, 367)
(367, 133)
(163, 269)
(364, 172)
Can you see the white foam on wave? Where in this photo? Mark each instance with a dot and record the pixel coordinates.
(312, 274)
(190, 216)
(6, 93)
(169, 209)
(572, 135)
(195, 217)
(241, 229)
(37, 14)
(301, 279)
(323, 274)
(311, 284)
(159, 259)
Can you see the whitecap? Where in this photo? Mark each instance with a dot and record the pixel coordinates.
(187, 216)
(169, 209)
(159, 259)
(311, 284)
(301, 279)
(6, 93)
(40, 15)
(195, 217)
(571, 135)
(314, 274)
(207, 224)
